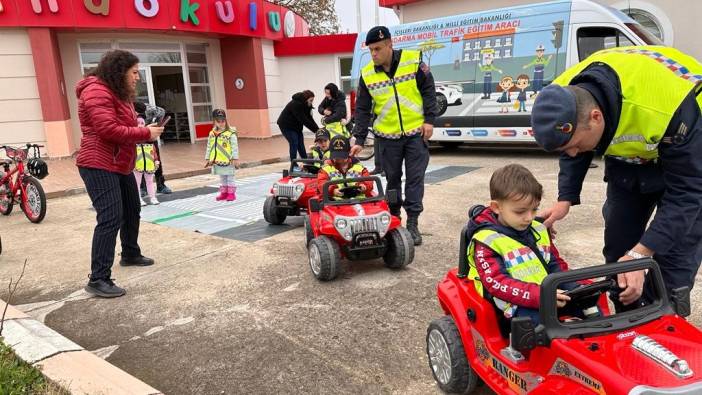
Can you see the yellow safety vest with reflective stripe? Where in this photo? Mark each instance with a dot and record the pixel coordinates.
(317, 153)
(520, 261)
(654, 81)
(220, 148)
(355, 171)
(398, 103)
(337, 129)
(145, 162)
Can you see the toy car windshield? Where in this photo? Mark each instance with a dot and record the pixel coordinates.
(352, 193)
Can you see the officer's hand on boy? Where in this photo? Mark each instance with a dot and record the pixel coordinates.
(154, 131)
(561, 298)
(427, 131)
(355, 150)
(555, 213)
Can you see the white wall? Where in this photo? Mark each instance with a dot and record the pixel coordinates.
(673, 14)
(21, 120)
(274, 85)
(311, 72)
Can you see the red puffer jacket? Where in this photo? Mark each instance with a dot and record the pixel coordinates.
(109, 128)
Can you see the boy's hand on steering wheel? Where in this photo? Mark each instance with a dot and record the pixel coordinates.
(561, 298)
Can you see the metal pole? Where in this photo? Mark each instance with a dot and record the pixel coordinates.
(376, 7)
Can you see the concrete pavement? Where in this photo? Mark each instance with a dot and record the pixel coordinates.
(218, 315)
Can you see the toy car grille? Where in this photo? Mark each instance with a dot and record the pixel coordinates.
(361, 225)
(286, 190)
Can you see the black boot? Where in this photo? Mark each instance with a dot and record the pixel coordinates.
(136, 261)
(412, 220)
(105, 288)
(396, 213)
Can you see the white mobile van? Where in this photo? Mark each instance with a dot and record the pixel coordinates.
(489, 66)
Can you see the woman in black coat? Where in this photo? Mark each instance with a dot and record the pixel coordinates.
(333, 107)
(296, 114)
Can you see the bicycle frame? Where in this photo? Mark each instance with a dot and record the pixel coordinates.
(17, 184)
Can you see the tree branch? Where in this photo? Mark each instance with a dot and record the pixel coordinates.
(11, 289)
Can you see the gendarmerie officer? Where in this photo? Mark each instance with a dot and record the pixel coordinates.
(640, 108)
(398, 88)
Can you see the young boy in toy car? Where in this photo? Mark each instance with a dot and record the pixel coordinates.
(510, 253)
(341, 165)
(320, 149)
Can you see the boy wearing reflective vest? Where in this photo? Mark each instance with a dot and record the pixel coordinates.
(510, 253)
(223, 154)
(341, 165)
(145, 167)
(320, 149)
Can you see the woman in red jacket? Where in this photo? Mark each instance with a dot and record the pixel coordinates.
(110, 132)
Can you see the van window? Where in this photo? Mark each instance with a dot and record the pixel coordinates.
(593, 39)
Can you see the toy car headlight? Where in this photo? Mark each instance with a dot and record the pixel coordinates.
(385, 219)
(299, 189)
(275, 189)
(340, 223)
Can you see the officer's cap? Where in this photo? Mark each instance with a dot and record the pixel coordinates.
(219, 114)
(378, 33)
(339, 147)
(554, 117)
(321, 134)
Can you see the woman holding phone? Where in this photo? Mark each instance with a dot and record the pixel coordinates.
(105, 162)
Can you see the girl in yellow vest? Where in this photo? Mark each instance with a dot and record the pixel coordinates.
(223, 154)
(145, 166)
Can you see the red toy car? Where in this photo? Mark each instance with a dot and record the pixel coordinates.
(355, 228)
(645, 351)
(290, 195)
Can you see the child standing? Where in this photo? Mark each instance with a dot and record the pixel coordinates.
(223, 154)
(145, 166)
(506, 85)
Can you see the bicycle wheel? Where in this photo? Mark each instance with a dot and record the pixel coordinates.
(34, 204)
(6, 199)
(368, 148)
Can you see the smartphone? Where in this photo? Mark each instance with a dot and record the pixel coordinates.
(164, 121)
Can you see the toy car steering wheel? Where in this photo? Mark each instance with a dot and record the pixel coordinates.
(588, 294)
(350, 191)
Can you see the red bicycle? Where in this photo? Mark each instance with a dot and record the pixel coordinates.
(26, 190)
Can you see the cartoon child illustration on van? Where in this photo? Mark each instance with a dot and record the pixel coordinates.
(506, 84)
(487, 68)
(539, 63)
(522, 85)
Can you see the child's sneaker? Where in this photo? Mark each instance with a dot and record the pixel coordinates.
(222, 193)
(142, 202)
(153, 201)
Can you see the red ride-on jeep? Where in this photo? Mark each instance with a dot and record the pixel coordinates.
(645, 351)
(355, 228)
(290, 194)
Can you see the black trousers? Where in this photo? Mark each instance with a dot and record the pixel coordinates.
(414, 152)
(377, 158)
(633, 192)
(116, 199)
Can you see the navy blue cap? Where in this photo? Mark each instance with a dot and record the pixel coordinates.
(378, 33)
(219, 114)
(321, 134)
(554, 117)
(339, 147)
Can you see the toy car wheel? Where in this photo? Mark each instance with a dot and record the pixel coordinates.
(447, 358)
(271, 213)
(324, 258)
(309, 234)
(400, 252)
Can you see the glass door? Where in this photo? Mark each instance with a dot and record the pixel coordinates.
(145, 87)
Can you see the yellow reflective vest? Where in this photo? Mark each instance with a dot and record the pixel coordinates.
(337, 129)
(519, 260)
(219, 147)
(654, 81)
(397, 102)
(145, 161)
(318, 153)
(355, 171)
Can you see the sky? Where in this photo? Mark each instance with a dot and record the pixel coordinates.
(346, 10)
